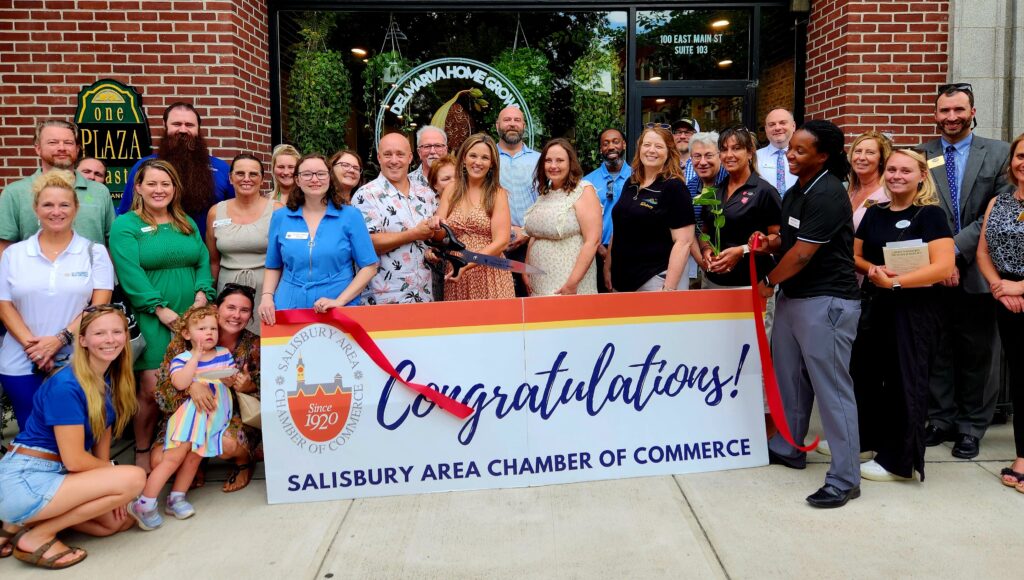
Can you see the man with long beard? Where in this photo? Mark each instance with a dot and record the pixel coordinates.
(56, 145)
(204, 178)
(608, 179)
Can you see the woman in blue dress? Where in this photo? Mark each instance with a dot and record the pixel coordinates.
(314, 242)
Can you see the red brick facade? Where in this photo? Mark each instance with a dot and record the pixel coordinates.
(876, 65)
(213, 53)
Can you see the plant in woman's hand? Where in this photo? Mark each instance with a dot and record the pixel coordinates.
(713, 206)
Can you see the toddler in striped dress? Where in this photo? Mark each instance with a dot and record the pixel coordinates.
(192, 433)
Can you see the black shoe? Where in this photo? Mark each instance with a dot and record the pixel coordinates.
(967, 447)
(776, 459)
(830, 496)
(934, 436)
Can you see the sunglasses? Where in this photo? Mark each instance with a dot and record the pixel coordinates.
(103, 308)
(956, 87)
(665, 126)
(248, 291)
(610, 192)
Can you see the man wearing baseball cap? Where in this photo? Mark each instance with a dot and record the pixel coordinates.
(682, 130)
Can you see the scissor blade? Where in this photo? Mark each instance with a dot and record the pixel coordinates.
(499, 263)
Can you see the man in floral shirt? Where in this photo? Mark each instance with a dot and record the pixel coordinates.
(397, 212)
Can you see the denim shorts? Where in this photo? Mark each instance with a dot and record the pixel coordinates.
(27, 484)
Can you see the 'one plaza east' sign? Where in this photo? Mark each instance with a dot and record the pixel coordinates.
(114, 129)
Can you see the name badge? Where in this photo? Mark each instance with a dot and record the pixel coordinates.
(296, 236)
(903, 224)
(223, 222)
(148, 228)
(1020, 217)
(936, 162)
(794, 222)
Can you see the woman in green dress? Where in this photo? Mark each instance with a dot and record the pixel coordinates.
(163, 268)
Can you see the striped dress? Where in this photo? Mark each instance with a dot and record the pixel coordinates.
(201, 430)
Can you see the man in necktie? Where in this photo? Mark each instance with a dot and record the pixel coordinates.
(969, 170)
(771, 159)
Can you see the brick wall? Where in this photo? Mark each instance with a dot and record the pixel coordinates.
(213, 53)
(876, 65)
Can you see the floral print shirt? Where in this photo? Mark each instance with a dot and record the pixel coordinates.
(402, 275)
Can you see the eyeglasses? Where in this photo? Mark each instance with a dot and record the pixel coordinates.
(438, 147)
(308, 175)
(665, 126)
(956, 87)
(610, 192)
(684, 132)
(345, 166)
(248, 291)
(697, 157)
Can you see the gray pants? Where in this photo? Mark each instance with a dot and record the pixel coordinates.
(811, 344)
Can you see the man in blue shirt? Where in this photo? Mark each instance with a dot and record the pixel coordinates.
(205, 179)
(969, 170)
(608, 179)
(518, 167)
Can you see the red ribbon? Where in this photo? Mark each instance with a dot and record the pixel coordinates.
(771, 385)
(362, 338)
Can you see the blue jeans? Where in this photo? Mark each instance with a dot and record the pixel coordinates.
(27, 485)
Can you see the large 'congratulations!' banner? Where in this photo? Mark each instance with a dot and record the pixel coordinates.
(562, 389)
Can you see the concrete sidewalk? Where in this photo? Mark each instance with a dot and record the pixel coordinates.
(752, 523)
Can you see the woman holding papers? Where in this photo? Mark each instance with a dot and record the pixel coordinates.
(1001, 261)
(903, 248)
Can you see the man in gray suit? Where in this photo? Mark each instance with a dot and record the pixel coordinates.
(969, 171)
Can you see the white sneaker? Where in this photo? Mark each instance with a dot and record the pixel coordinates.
(824, 449)
(875, 472)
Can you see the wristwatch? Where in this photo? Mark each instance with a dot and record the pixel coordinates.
(767, 282)
(896, 284)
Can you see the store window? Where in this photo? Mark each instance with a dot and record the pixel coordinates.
(692, 45)
(457, 71)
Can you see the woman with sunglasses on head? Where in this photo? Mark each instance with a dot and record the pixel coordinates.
(282, 166)
(58, 474)
(749, 204)
(564, 225)
(237, 230)
(319, 254)
(163, 267)
(240, 441)
(653, 221)
(45, 281)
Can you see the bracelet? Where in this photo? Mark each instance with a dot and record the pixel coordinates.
(768, 282)
(65, 337)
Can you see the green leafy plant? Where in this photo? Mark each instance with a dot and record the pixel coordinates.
(712, 205)
(381, 71)
(319, 91)
(530, 71)
(597, 100)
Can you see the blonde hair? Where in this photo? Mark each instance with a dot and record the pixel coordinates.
(179, 343)
(120, 372)
(927, 193)
(60, 178)
(178, 216)
(884, 151)
(285, 149)
(491, 183)
(672, 167)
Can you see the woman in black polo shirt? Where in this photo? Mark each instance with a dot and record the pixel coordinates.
(653, 220)
(901, 322)
(817, 309)
(750, 204)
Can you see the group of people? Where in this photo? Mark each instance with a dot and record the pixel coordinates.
(198, 250)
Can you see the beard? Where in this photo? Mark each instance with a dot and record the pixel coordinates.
(606, 157)
(191, 159)
(510, 136)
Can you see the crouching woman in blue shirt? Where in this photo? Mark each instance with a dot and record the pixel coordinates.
(58, 474)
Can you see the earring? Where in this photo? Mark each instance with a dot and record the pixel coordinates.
(920, 185)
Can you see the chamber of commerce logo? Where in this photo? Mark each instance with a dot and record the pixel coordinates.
(319, 409)
(319, 396)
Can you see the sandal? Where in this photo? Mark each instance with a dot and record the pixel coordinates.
(8, 548)
(36, 557)
(236, 470)
(1009, 472)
